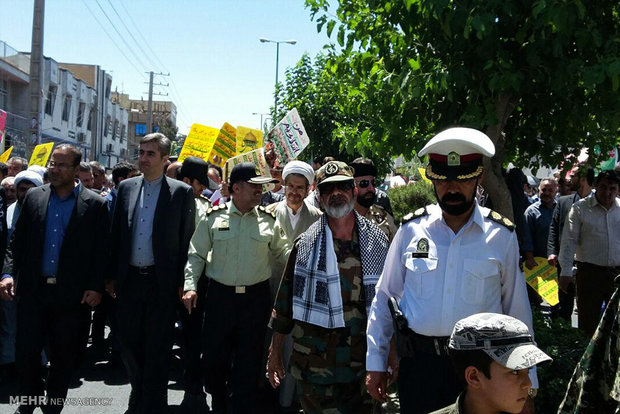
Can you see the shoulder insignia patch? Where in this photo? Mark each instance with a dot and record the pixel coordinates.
(421, 212)
(269, 213)
(499, 219)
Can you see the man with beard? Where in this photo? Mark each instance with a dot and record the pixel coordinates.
(366, 201)
(581, 180)
(324, 298)
(447, 261)
(232, 246)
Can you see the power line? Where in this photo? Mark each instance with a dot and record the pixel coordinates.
(142, 36)
(112, 39)
(121, 36)
(131, 34)
(181, 108)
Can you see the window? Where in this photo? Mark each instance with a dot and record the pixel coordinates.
(51, 100)
(89, 125)
(140, 129)
(4, 95)
(66, 108)
(115, 130)
(106, 127)
(80, 115)
(123, 131)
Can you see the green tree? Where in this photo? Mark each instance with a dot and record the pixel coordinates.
(540, 78)
(317, 93)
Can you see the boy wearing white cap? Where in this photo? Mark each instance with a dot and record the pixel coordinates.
(492, 354)
(447, 261)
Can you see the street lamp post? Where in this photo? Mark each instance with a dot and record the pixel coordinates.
(277, 42)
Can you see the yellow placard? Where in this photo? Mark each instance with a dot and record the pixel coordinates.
(543, 278)
(248, 139)
(41, 154)
(6, 154)
(199, 142)
(422, 172)
(225, 146)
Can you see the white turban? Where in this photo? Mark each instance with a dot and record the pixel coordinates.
(298, 167)
(29, 175)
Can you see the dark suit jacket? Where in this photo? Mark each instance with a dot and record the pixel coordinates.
(85, 241)
(557, 222)
(173, 226)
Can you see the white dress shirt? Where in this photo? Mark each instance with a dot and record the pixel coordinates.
(475, 270)
(591, 234)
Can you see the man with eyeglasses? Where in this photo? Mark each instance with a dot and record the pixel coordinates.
(447, 261)
(52, 270)
(366, 200)
(326, 290)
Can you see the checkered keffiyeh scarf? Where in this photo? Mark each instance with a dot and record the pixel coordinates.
(316, 288)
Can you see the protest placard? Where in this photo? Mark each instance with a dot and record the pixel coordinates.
(257, 157)
(248, 139)
(543, 278)
(225, 146)
(41, 154)
(199, 142)
(289, 137)
(6, 154)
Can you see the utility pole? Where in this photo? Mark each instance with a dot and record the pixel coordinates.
(149, 116)
(36, 75)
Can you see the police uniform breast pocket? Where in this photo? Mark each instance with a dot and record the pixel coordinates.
(260, 243)
(480, 279)
(223, 241)
(421, 275)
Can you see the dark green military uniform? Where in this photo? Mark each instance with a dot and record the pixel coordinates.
(595, 384)
(329, 363)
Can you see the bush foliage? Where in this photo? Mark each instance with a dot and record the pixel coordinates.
(409, 198)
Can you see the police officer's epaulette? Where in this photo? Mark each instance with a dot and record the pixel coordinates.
(215, 208)
(498, 218)
(204, 198)
(267, 212)
(421, 212)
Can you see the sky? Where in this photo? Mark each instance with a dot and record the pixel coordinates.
(219, 70)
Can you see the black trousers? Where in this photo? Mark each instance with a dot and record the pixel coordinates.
(427, 383)
(233, 335)
(191, 324)
(42, 320)
(145, 318)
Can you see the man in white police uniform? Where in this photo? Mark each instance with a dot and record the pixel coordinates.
(447, 261)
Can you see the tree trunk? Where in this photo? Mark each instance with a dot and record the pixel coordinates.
(493, 182)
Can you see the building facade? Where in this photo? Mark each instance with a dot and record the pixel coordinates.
(76, 108)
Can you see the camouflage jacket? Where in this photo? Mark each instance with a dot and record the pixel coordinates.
(321, 355)
(595, 384)
(384, 220)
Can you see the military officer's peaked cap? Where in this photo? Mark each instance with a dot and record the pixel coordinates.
(456, 154)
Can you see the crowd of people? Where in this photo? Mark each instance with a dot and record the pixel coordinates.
(302, 277)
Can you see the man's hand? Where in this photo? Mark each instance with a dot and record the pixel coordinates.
(564, 282)
(91, 298)
(110, 287)
(530, 263)
(189, 300)
(552, 260)
(7, 289)
(376, 384)
(275, 366)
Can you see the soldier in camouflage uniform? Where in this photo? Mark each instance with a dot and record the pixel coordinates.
(323, 301)
(366, 202)
(595, 384)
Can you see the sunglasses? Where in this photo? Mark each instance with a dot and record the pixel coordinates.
(366, 183)
(328, 188)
